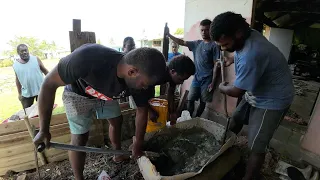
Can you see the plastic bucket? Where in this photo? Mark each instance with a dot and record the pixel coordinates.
(160, 106)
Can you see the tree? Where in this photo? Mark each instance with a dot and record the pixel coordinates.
(179, 31)
(99, 41)
(35, 46)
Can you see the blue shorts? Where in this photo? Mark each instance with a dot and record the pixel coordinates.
(199, 90)
(80, 111)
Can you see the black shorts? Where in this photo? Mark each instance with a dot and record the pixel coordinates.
(262, 124)
(28, 101)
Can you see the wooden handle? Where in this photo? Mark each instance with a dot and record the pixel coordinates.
(27, 122)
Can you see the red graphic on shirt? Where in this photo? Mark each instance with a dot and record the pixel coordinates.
(94, 93)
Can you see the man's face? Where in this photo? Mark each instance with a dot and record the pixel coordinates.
(231, 44)
(174, 47)
(135, 80)
(176, 78)
(226, 43)
(128, 46)
(205, 32)
(24, 52)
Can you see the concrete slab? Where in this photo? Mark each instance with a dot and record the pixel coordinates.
(221, 166)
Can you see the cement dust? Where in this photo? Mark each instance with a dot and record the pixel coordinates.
(183, 150)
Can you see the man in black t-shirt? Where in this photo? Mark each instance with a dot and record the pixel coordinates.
(95, 77)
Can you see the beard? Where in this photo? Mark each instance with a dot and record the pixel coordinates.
(131, 83)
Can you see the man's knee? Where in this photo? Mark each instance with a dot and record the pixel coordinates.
(79, 139)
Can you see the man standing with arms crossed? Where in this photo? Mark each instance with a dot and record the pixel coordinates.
(95, 77)
(262, 76)
(205, 53)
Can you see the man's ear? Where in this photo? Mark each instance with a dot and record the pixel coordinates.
(133, 72)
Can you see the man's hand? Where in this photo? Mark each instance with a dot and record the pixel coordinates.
(222, 86)
(153, 115)
(137, 149)
(42, 137)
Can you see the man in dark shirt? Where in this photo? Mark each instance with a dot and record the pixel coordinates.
(128, 44)
(96, 76)
(179, 69)
(205, 53)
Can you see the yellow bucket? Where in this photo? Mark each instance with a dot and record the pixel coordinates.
(160, 106)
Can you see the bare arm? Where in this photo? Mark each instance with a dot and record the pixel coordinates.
(42, 68)
(215, 72)
(231, 90)
(18, 85)
(177, 40)
(170, 98)
(46, 98)
(141, 125)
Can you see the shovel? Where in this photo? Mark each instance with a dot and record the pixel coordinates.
(69, 147)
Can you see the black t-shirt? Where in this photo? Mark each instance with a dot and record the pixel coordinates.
(91, 71)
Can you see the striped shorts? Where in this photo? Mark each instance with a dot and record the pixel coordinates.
(262, 123)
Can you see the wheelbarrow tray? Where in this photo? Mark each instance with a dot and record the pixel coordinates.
(149, 171)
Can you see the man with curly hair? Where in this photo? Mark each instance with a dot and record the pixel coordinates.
(263, 79)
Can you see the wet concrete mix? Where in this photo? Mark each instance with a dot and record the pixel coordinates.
(182, 150)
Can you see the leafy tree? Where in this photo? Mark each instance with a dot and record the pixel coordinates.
(179, 31)
(35, 46)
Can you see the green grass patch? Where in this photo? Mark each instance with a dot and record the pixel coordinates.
(9, 102)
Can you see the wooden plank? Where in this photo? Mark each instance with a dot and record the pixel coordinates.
(19, 126)
(23, 137)
(76, 25)
(78, 39)
(17, 159)
(18, 168)
(59, 157)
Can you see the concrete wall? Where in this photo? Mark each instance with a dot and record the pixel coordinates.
(197, 10)
(311, 139)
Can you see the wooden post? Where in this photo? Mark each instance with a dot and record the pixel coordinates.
(165, 49)
(78, 38)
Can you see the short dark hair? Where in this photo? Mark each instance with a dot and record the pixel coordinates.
(182, 64)
(205, 22)
(227, 24)
(174, 43)
(20, 45)
(126, 39)
(149, 60)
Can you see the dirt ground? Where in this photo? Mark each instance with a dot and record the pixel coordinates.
(95, 163)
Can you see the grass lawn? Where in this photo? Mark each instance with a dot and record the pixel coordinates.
(9, 103)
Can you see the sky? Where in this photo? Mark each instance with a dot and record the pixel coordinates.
(52, 20)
